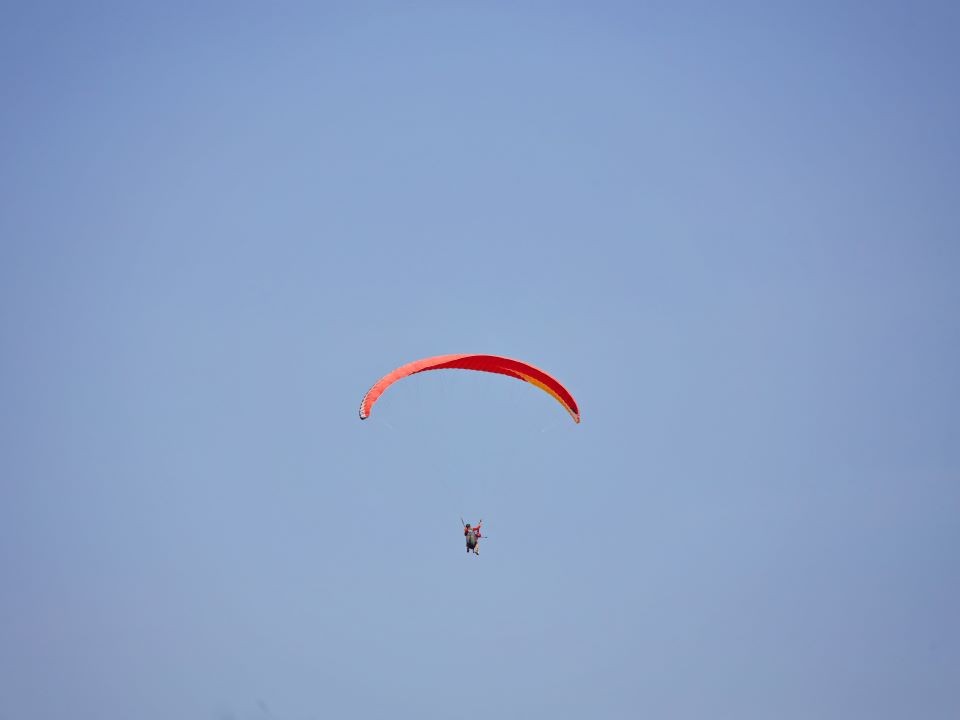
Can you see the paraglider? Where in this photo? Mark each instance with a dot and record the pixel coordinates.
(482, 363)
(473, 536)
(497, 364)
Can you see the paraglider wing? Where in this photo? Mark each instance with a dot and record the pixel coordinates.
(482, 363)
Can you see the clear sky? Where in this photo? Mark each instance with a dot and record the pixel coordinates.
(732, 229)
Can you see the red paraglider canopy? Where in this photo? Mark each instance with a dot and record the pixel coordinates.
(482, 363)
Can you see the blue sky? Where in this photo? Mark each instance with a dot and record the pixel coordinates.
(732, 232)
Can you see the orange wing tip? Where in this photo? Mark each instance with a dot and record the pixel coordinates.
(364, 411)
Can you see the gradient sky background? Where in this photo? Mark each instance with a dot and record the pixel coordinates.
(733, 230)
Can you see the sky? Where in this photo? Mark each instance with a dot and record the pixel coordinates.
(731, 229)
